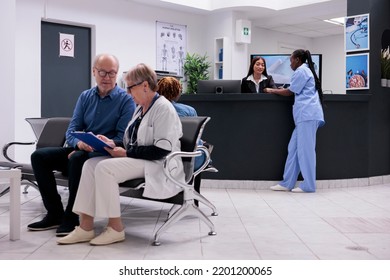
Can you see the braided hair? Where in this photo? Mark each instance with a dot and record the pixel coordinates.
(305, 57)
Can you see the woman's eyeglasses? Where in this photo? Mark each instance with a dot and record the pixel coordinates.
(130, 87)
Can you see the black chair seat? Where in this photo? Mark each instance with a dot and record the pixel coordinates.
(134, 189)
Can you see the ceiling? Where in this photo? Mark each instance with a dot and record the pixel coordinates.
(306, 21)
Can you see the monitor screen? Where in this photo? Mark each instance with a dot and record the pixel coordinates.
(219, 86)
(278, 66)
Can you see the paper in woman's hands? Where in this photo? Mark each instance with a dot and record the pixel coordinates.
(92, 140)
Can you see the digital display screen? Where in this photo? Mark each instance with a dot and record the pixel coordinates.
(278, 66)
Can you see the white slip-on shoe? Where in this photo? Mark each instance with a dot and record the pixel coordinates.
(297, 190)
(109, 236)
(279, 188)
(78, 235)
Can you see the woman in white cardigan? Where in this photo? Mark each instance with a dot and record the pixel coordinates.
(153, 132)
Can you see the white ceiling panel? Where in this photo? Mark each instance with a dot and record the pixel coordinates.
(304, 20)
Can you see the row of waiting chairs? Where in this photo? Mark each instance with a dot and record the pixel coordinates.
(50, 132)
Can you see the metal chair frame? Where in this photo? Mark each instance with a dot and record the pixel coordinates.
(184, 202)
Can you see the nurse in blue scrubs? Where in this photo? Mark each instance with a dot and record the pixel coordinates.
(308, 117)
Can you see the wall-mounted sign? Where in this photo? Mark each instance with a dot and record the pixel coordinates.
(66, 45)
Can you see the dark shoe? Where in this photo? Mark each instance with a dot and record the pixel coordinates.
(45, 224)
(67, 226)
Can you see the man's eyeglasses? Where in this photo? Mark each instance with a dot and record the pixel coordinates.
(130, 87)
(103, 73)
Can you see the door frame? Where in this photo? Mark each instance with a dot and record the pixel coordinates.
(78, 24)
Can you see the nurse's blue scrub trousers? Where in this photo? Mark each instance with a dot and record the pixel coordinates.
(302, 157)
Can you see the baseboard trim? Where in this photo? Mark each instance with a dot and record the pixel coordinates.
(321, 184)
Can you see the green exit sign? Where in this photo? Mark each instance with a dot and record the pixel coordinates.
(246, 31)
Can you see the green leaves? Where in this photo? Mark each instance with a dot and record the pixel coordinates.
(196, 68)
(385, 63)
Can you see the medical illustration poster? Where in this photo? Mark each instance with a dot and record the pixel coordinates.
(171, 47)
(357, 33)
(357, 72)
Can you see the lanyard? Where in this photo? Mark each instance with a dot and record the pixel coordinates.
(133, 129)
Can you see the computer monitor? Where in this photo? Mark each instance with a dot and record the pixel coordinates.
(219, 86)
(278, 66)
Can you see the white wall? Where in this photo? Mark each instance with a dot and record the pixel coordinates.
(268, 41)
(219, 25)
(126, 29)
(333, 62)
(7, 72)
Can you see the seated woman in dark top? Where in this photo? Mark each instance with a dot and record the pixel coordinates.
(257, 78)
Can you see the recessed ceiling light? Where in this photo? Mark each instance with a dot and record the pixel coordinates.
(211, 5)
(337, 21)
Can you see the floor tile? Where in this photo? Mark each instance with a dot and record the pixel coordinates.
(343, 223)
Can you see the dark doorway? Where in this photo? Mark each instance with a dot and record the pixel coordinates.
(63, 78)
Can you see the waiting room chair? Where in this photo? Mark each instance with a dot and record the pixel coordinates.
(192, 131)
(51, 134)
(37, 125)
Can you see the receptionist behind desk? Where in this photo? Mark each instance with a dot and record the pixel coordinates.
(257, 78)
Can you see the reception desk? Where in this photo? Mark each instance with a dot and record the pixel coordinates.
(250, 133)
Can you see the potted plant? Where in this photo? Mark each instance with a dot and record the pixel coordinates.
(196, 67)
(385, 67)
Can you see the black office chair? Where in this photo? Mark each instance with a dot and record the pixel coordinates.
(192, 131)
(51, 135)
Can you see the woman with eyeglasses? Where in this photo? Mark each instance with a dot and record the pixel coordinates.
(153, 132)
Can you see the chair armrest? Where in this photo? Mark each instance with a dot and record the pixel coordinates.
(173, 155)
(207, 167)
(6, 146)
(206, 162)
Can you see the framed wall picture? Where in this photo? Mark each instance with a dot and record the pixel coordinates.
(357, 33)
(357, 72)
(171, 47)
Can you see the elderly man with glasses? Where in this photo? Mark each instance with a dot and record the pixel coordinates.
(104, 109)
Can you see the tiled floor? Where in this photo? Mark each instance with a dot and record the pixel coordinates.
(339, 224)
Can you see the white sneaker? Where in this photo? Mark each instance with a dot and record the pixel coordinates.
(279, 188)
(109, 236)
(78, 235)
(297, 190)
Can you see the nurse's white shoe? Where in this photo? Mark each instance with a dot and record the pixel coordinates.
(279, 188)
(297, 190)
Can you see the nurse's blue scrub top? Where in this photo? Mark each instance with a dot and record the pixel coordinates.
(307, 106)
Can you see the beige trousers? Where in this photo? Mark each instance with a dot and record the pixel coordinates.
(98, 192)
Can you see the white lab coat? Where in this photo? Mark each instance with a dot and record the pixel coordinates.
(161, 127)
(98, 193)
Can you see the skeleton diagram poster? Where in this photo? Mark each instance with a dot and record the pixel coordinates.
(171, 47)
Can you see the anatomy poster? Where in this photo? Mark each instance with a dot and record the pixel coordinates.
(171, 47)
